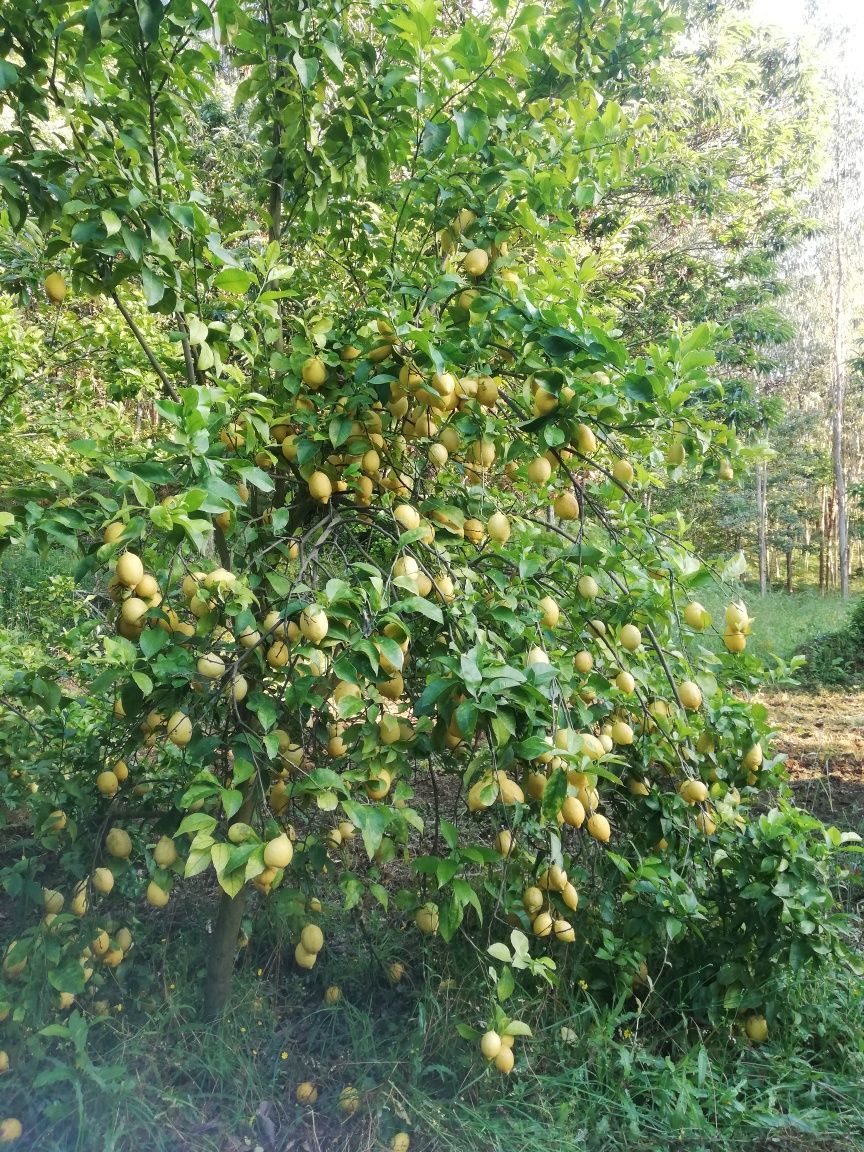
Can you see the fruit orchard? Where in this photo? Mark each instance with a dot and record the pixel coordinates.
(383, 616)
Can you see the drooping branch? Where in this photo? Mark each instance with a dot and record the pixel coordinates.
(145, 346)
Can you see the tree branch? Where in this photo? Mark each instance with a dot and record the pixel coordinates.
(148, 351)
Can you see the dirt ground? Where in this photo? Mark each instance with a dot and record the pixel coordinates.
(823, 738)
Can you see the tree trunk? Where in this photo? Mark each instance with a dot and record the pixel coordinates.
(220, 965)
(762, 524)
(838, 374)
(226, 931)
(789, 570)
(823, 541)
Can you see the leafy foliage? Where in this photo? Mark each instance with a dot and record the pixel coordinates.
(384, 569)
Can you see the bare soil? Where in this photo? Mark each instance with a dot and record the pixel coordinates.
(822, 735)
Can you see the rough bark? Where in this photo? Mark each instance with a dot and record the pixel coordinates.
(762, 525)
(838, 380)
(226, 933)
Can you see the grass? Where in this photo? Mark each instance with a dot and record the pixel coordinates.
(783, 622)
(34, 589)
(636, 1081)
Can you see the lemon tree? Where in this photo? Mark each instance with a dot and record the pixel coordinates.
(385, 581)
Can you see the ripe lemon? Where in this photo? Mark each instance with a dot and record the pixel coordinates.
(622, 470)
(564, 931)
(621, 732)
(588, 587)
(179, 730)
(103, 880)
(10, 1129)
(55, 290)
(539, 470)
(118, 844)
(129, 570)
(349, 1100)
(52, 901)
(320, 488)
(314, 372)
(312, 938)
(490, 1045)
(165, 852)
(550, 612)
(278, 853)
(475, 262)
(598, 827)
(586, 441)
(756, 1027)
(570, 896)
(156, 895)
(536, 655)
(753, 757)
(542, 924)
(566, 506)
(690, 695)
(306, 1093)
(573, 812)
(210, 666)
(629, 637)
(693, 791)
(303, 958)
(532, 900)
(314, 623)
(696, 616)
(427, 918)
(498, 527)
(107, 783)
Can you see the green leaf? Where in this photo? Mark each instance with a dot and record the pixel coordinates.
(340, 430)
(232, 800)
(517, 1028)
(153, 640)
(553, 794)
(144, 682)
(464, 894)
(233, 281)
(196, 822)
(196, 862)
(435, 137)
(56, 471)
(499, 951)
(153, 287)
(371, 819)
(111, 221)
(8, 75)
(506, 984)
(150, 13)
(421, 605)
(331, 50)
(232, 882)
(307, 69)
(472, 126)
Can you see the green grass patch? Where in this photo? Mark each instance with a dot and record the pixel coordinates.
(783, 622)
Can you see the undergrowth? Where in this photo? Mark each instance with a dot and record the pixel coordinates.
(836, 659)
(136, 1070)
